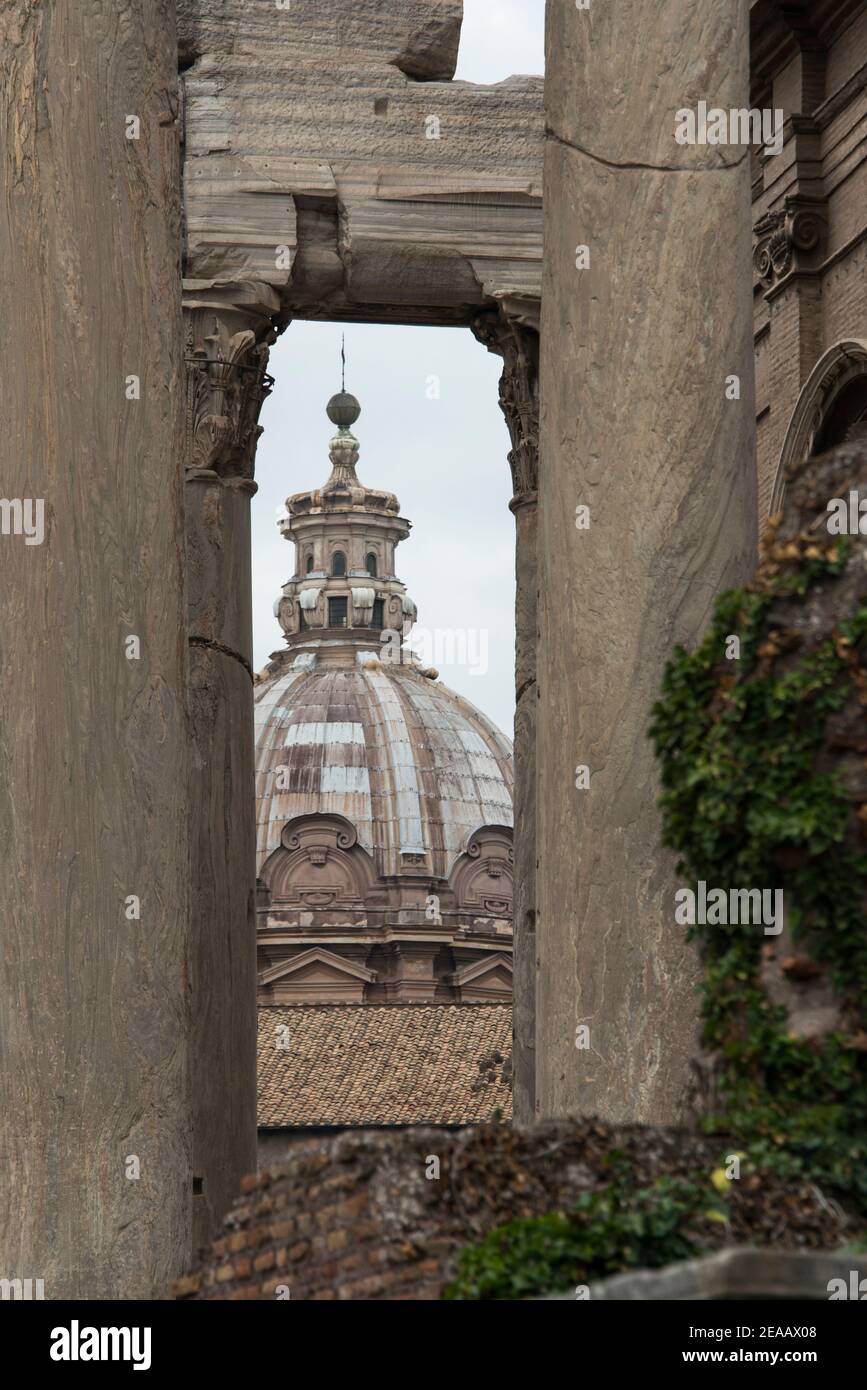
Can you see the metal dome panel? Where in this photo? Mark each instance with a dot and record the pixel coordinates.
(414, 767)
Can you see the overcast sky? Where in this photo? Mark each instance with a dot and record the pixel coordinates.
(445, 458)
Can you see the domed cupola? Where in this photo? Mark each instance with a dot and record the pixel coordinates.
(384, 800)
(345, 536)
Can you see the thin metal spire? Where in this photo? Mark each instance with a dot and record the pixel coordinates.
(343, 361)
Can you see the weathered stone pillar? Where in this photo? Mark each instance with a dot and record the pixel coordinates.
(94, 1140)
(518, 344)
(227, 333)
(640, 332)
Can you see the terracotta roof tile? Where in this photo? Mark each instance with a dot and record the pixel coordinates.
(384, 1065)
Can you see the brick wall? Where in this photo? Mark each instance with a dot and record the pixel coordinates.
(847, 57)
(356, 1217)
(824, 299)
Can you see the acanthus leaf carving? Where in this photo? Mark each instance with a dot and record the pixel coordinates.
(518, 345)
(227, 383)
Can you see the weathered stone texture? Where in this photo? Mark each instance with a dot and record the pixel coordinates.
(635, 425)
(741, 1273)
(226, 383)
(519, 398)
(222, 845)
(354, 1217)
(93, 793)
(306, 130)
(420, 37)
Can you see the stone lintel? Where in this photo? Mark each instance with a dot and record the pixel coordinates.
(319, 165)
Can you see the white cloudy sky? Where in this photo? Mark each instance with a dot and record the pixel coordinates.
(445, 459)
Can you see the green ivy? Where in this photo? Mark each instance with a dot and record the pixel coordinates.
(618, 1228)
(744, 804)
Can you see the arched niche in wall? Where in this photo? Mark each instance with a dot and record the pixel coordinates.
(833, 400)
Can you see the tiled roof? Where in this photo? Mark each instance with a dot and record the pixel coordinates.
(338, 1064)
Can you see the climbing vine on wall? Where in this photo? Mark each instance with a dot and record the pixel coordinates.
(762, 762)
(761, 738)
(620, 1227)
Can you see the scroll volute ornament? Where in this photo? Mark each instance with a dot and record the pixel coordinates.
(287, 614)
(788, 239)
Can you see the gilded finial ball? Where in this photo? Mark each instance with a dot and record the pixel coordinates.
(343, 410)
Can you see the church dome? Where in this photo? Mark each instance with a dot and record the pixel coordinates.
(412, 766)
(383, 799)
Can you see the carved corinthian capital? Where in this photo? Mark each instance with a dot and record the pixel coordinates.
(227, 382)
(518, 345)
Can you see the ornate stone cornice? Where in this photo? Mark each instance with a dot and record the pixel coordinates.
(518, 345)
(789, 239)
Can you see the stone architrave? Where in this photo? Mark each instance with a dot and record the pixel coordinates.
(94, 1022)
(328, 154)
(645, 324)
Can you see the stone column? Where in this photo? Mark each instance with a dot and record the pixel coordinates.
(94, 1139)
(228, 330)
(518, 344)
(640, 332)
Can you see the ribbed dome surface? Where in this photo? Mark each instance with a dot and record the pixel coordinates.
(412, 765)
